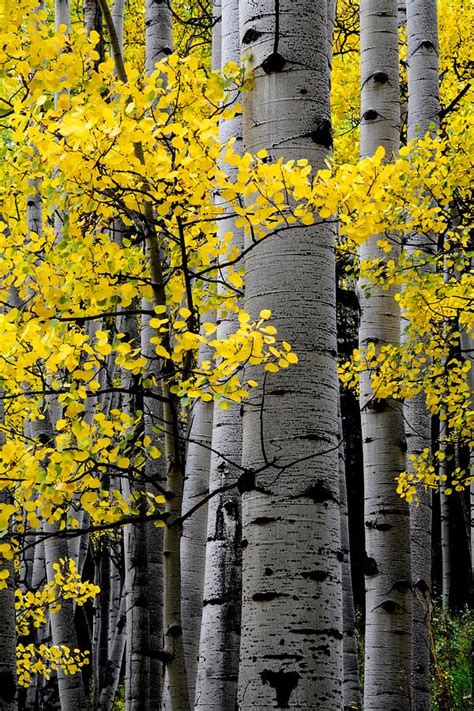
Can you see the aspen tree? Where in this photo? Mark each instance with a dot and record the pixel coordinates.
(291, 647)
(193, 544)
(158, 44)
(219, 645)
(8, 675)
(387, 675)
(423, 116)
(196, 483)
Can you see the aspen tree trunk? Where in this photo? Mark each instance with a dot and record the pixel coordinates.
(159, 43)
(158, 32)
(62, 13)
(467, 345)
(37, 580)
(93, 22)
(114, 663)
(8, 676)
(351, 689)
(445, 524)
(63, 629)
(173, 652)
(137, 659)
(423, 115)
(193, 542)
(291, 647)
(388, 635)
(118, 17)
(220, 632)
(155, 475)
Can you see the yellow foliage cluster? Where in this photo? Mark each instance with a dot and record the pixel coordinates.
(32, 608)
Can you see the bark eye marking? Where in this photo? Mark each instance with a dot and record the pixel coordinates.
(246, 482)
(319, 493)
(263, 520)
(380, 78)
(273, 63)
(267, 596)
(370, 115)
(283, 683)
(316, 575)
(250, 36)
(389, 606)
(422, 586)
(322, 134)
(370, 567)
(174, 631)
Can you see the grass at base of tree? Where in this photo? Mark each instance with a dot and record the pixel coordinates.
(452, 660)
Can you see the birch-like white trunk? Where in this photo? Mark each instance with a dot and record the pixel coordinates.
(93, 22)
(63, 629)
(118, 17)
(291, 646)
(8, 676)
(220, 631)
(445, 524)
(193, 541)
(423, 115)
(159, 44)
(137, 659)
(388, 634)
(158, 31)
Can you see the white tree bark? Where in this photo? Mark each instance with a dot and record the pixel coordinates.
(193, 542)
(423, 115)
(445, 525)
(62, 13)
(291, 647)
(159, 43)
(137, 659)
(8, 677)
(220, 631)
(118, 17)
(158, 32)
(467, 345)
(388, 564)
(63, 630)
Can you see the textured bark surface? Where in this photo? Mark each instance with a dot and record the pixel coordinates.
(159, 43)
(193, 542)
(220, 631)
(62, 13)
(423, 115)
(118, 17)
(8, 681)
(93, 22)
(137, 660)
(8, 677)
(63, 628)
(155, 477)
(388, 639)
(291, 647)
(158, 31)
